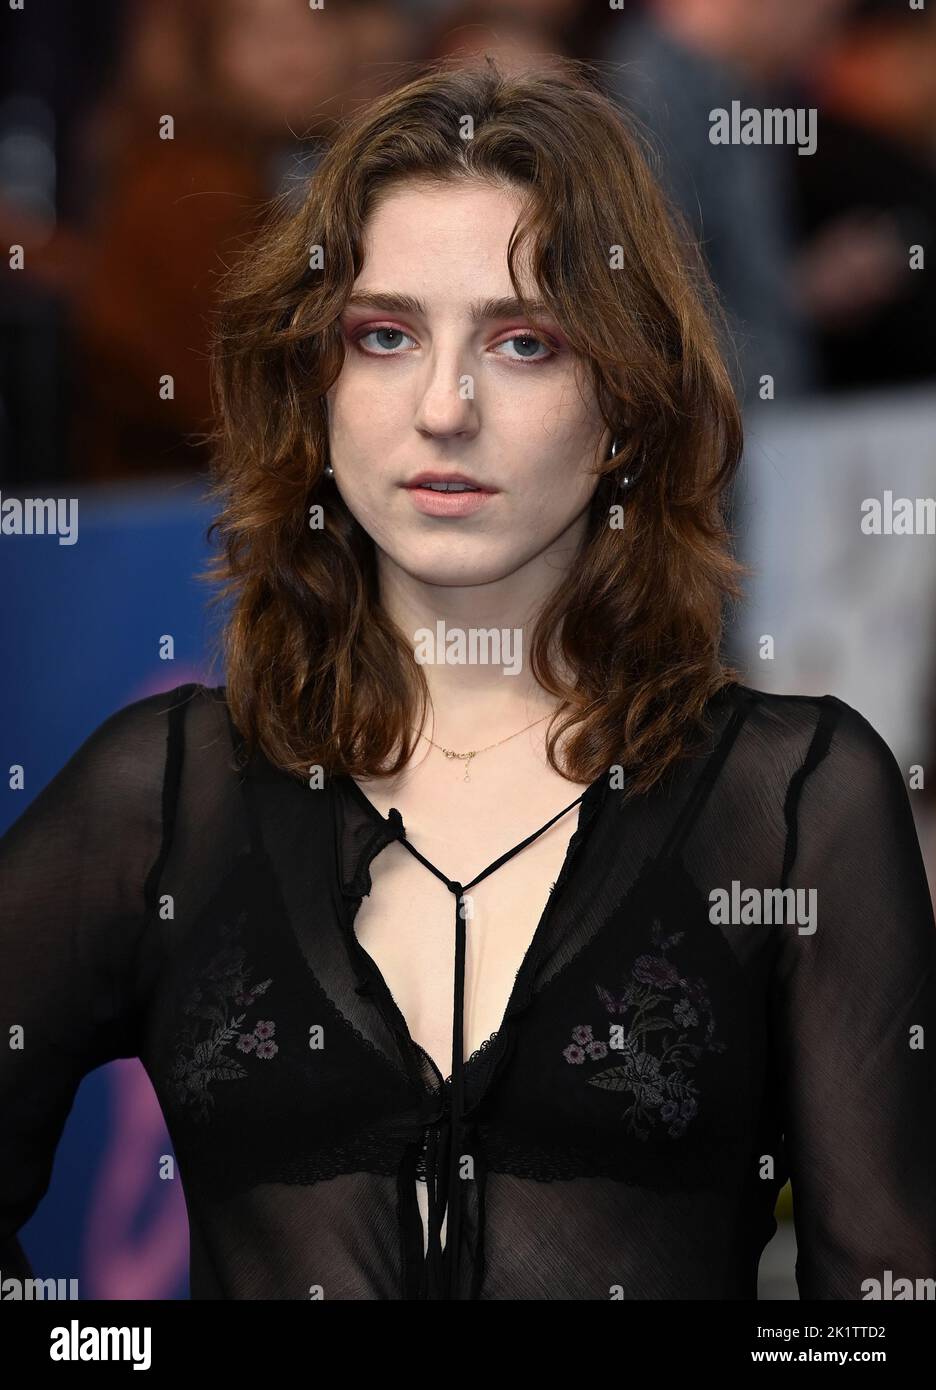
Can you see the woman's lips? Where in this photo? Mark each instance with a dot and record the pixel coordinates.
(432, 503)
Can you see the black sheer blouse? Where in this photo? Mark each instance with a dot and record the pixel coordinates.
(664, 1064)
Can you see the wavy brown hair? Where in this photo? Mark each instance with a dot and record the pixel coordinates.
(317, 674)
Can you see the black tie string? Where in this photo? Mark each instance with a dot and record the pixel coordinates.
(446, 1149)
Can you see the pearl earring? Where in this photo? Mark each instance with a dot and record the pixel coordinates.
(625, 480)
(329, 471)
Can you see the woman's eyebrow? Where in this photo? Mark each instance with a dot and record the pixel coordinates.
(479, 310)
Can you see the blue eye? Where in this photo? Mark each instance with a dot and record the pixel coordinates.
(388, 339)
(527, 350)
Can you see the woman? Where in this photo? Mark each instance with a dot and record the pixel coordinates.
(474, 440)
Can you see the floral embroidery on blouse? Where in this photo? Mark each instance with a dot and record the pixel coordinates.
(216, 1031)
(658, 1005)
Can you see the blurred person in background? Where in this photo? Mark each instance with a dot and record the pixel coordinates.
(681, 60)
(516, 32)
(514, 42)
(875, 88)
(250, 86)
(926, 795)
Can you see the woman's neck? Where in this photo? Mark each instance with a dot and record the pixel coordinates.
(473, 644)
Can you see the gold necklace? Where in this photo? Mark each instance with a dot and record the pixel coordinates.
(466, 757)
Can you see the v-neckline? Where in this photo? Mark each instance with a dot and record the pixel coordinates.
(394, 828)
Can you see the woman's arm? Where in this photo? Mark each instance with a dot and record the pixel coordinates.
(854, 1019)
(73, 869)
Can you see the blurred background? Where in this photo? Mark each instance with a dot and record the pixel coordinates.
(115, 235)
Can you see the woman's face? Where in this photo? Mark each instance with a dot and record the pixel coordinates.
(438, 378)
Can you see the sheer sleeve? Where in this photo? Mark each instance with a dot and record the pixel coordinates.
(854, 1014)
(73, 875)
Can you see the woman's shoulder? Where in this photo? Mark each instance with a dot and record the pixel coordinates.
(816, 778)
(119, 789)
(190, 705)
(804, 730)
(189, 702)
(148, 739)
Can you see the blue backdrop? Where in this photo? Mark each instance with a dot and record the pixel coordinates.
(81, 627)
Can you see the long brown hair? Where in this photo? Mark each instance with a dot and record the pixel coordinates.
(317, 674)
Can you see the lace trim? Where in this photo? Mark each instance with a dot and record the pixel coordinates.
(398, 1072)
(477, 1055)
(709, 1170)
(478, 1052)
(367, 1153)
(379, 1155)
